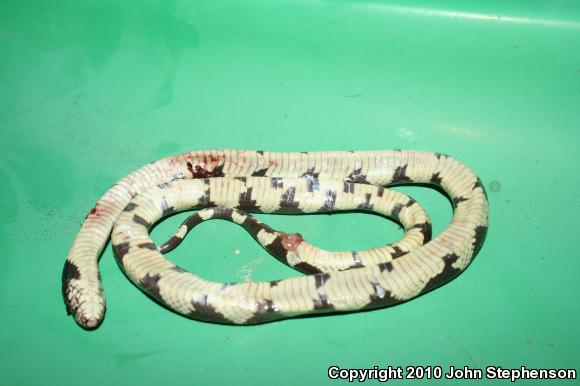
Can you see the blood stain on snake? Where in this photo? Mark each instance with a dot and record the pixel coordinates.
(291, 241)
(199, 172)
(92, 212)
(215, 158)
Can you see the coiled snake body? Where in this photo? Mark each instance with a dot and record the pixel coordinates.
(227, 184)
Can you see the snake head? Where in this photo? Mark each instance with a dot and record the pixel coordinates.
(83, 296)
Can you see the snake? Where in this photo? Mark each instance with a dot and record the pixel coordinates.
(231, 185)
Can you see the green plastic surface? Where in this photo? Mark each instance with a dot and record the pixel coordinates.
(90, 91)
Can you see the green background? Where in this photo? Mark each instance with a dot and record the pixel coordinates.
(90, 91)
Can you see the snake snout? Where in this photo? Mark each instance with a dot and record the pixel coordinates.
(87, 320)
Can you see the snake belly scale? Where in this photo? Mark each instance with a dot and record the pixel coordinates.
(228, 184)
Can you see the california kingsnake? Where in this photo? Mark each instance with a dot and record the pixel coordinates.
(229, 183)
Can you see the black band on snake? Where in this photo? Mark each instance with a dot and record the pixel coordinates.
(227, 184)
